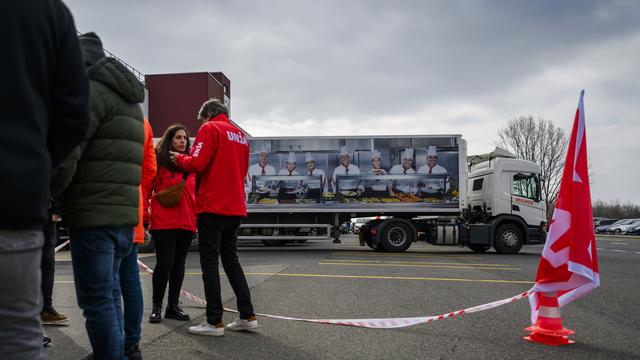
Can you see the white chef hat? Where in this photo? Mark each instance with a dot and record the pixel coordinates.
(407, 154)
(375, 154)
(291, 158)
(344, 150)
(308, 157)
(263, 149)
(431, 151)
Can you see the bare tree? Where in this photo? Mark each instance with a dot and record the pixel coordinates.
(541, 142)
(614, 209)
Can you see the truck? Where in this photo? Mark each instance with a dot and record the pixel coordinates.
(411, 188)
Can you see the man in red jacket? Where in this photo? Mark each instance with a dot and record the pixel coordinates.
(220, 156)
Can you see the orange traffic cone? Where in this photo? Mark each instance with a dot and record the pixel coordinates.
(548, 328)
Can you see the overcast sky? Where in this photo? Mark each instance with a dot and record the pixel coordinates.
(402, 67)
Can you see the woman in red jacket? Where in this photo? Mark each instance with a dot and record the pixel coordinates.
(172, 228)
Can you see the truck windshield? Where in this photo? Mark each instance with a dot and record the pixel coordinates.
(525, 185)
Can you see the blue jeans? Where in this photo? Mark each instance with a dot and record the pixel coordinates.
(97, 253)
(131, 297)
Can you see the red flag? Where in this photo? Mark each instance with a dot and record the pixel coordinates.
(569, 262)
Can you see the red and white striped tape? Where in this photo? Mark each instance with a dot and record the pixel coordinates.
(386, 323)
(59, 247)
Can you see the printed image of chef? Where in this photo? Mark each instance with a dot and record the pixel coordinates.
(405, 168)
(314, 187)
(433, 186)
(261, 168)
(376, 188)
(289, 189)
(345, 168)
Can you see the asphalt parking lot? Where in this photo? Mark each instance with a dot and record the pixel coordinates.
(323, 280)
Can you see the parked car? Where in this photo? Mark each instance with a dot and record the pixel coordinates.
(603, 228)
(635, 231)
(601, 225)
(357, 223)
(615, 228)
(625, 229)
(597, 221)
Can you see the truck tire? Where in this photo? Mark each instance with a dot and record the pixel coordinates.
(374, 244)
(396, 236)
(509, 239)
(479, 248)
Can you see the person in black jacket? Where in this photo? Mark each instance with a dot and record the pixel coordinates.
(44, 94)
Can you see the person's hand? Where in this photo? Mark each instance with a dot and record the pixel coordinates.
(172, 156)
(55, 217)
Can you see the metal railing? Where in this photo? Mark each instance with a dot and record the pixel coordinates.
(138, 74)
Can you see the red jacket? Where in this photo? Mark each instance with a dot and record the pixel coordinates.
(149, 169)
(220, 155)
(181, 216)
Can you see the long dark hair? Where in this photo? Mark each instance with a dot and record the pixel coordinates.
(164, 146)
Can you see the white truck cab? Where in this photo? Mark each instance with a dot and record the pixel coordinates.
(505, 201)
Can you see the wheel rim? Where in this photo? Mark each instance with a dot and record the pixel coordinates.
(397, 236)
(510, 238)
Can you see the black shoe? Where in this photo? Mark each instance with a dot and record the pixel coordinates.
(46, 341)
(176, 312)
(156, 314)
(133, 352)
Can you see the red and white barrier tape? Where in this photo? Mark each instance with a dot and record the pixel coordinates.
(59, 247)
(387, 323)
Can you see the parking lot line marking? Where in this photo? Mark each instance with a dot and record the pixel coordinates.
(619, 250)
(618, 243)
(422, 266)
(63, 281)
(406, 255)
(413, 262)
(375, 277)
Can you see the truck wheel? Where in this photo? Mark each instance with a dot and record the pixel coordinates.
(396, 236)
(509, 239)
(478, 248)
(371, 242)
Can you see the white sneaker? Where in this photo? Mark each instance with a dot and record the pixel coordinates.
(244, 325)
(207, 329)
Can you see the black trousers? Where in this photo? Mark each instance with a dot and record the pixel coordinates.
(172, 248)
(218, 237)
(48, 263)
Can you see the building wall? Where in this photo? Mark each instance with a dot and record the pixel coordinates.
(176, 98)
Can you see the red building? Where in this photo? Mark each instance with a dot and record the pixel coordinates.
(176, 98)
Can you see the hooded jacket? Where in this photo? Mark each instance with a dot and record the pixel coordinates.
(106, 167)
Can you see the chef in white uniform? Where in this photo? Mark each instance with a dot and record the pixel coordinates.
(376, 188)
(433, 186)
(314, 187)
(405, 168)
(262, 167)
(345, 168)
(288, 188)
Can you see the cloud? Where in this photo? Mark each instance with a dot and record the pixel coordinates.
(378, 67)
